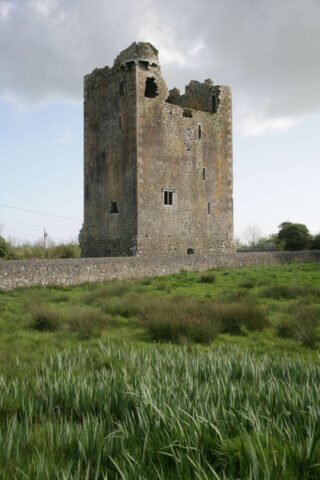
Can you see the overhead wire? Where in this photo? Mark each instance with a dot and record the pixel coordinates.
(39, 213)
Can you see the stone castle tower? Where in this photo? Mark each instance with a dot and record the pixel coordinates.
(157, 164)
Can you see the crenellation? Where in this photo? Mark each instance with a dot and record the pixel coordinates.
(146, 151)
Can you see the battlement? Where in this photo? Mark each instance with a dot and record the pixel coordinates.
(158, 164)
(141, 51)
(203, 96)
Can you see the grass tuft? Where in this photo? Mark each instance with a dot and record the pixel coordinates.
(171, 319)
(103, 292)
(178, 319)
(289, 291)
(302, 326)
(87, 323)
(44, 318)
(208, 278)
(247, 283)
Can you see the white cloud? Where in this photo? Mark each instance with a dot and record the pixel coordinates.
(5, 8)
(267, 51)
(44, 7)
(66, 138)
(163, 37)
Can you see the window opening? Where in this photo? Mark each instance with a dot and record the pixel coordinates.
(120, 123)
(203, 174)
(214, 104)
(187, 113)
(144, 64)
(113, 207)
(121, 88)
(151, 90)
(190, 251)
(199, 132)
(209, 208)
(168, 197)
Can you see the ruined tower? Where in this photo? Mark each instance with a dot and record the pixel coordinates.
(157, 164)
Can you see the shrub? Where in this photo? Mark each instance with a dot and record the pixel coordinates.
(87, 323)
(103, 292)
(65, 250)
(177, 318)
(127, 306)
(58, 297)
(236, 295)
(302, 327)
(234, 316)
(4, 248)
(289, 291)
(208, 278)
(145, 281)
(37, 250)
(247, 283)
(161, 286)
(45, 318)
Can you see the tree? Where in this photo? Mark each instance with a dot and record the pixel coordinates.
(294, 236)
(4, 248)
(315, 245)
(268, 243)
(251, 235)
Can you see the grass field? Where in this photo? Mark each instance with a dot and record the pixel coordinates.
(211, 375)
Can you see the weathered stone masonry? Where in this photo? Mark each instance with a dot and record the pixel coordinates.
(158, 165)
(25, 273)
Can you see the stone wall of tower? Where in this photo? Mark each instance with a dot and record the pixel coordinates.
(174, 155)
(142, 141)
(110, 206)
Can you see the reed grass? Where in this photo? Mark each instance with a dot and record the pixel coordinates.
(115, 411)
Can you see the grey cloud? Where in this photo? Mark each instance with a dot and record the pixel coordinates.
(268, 51)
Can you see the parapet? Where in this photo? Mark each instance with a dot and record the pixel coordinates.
(203, 96)
(141, 52)
(137, 52)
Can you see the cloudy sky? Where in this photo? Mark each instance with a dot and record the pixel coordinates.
(268, 51)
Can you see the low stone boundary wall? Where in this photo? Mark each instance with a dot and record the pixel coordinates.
(73, 271)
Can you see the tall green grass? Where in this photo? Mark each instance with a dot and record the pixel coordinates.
(115, 411)
(179, 318)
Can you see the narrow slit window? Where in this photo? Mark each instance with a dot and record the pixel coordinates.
(120, 123)
(199, 132)
(168, 197)
(121, 88)
(209, 208)
(113, 207)
(203, 174)
(214, 104)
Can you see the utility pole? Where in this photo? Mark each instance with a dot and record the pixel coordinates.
(44, 238)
